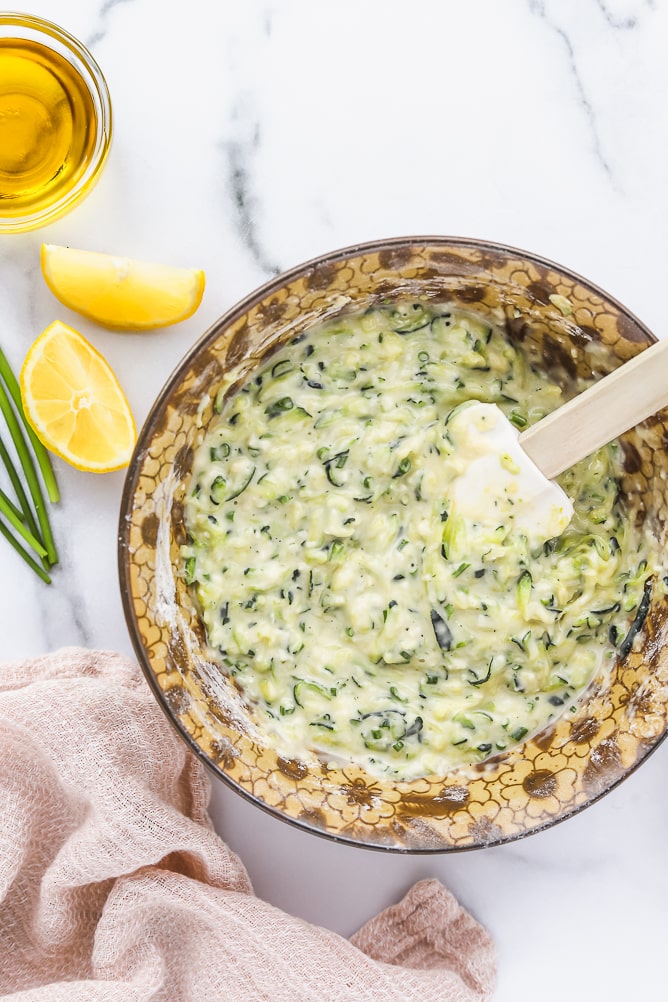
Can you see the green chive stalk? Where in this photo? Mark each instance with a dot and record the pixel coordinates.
(10, 512)
(37, 568)
(10, 504)
(41, 454)
(30, 474)
(5, 499)
(18, 488)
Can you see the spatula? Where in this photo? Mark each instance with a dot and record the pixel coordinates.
(513, 473)
(611, 406)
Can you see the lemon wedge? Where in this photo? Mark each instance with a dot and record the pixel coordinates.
(74, 402)
(119, 292)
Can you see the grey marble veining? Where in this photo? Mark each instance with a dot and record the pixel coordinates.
(239, 154)
(624, 16)
(544, 10)
(99, 33)
(64, 616)
(251, 136)
(243, 137)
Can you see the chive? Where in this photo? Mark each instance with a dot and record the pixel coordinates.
(40, 451)
(18, 488)
(243, 486)
(217, 492)
(521, 643)
(12, 507)
(279, 407)
(336, 462)
(37, 568)
(220, 451)
(460, 570)
(403, 468)
(327, 724)
(29, 471)
(394, 693)
(610, 608)
(281, 368)
(441, 631)
(414, 728)
(13, 516)
(301, 687)
(479, 681)
(30, 474)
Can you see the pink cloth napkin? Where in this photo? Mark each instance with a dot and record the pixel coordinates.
(114, 886)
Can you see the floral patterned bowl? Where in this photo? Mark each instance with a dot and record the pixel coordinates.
(624, 713)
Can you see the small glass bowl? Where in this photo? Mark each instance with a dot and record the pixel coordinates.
(76, 155)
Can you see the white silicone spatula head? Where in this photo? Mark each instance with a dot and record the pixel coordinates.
(509, 476)
(499, 485)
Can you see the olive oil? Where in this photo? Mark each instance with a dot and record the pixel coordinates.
(47, 127)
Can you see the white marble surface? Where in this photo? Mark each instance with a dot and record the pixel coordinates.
(250, 136)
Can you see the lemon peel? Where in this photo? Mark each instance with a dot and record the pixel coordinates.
(74, 402)
(120, 292)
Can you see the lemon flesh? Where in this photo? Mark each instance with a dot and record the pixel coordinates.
(75, 403)
(119, 292)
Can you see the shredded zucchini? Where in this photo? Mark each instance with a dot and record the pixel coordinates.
(360, 620)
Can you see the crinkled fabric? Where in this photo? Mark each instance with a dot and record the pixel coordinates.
(114, 885)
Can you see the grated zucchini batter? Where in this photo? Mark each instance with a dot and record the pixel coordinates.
(363, 618)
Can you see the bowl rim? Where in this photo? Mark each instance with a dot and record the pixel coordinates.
(213, 332)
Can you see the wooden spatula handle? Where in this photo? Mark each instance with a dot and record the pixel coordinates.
(607, 409)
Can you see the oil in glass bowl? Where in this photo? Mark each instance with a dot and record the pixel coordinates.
(55, 122)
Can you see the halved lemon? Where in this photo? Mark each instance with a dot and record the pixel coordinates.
(119, 292)
(74, 402)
